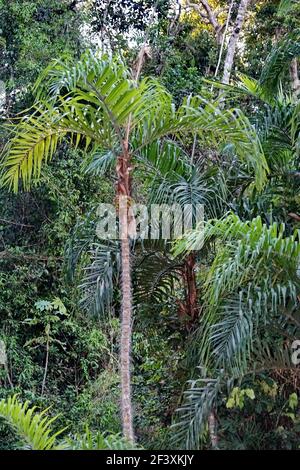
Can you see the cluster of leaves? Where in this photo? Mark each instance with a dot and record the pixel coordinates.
(35, 430)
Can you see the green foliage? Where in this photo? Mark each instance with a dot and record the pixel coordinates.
(34, 428)
(104, 83)
(278, 62)
(184, 149)
(98, 441)
(252, 282)
(46, 28)
(237, 397)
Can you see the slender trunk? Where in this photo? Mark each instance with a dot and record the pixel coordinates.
(189, 309)
(191, 286)
(123, 169)
(123, 196)
(295, 78)
(46, 368)
(212, 430)
(233, 40)
(223, 38)
(126, 342)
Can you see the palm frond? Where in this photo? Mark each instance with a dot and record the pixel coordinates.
(205, 189)
(36, 138)
(34, 428)
(205, 393)
(79, 242)
(245, 86)
(98, 441)
(163, 157)
(100, 278)
(250, 299)
(215, 127)
(192, 415)
(100, 161)
(278, 62)
(155, 278)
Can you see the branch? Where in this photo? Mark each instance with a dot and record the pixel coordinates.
(10, 222)
(210, 16)
(294, 216)
(223, 38)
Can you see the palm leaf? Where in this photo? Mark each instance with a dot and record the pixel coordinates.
(33, 428)
(278, 62)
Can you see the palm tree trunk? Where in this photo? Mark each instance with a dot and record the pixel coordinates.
(123, 169)
(295, 78)
(123, 196)
(212, 430)
(233, 40)
(125, 358)
(191, 287)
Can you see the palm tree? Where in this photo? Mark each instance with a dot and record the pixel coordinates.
(251, 313)
(275, 116)
(95, 103)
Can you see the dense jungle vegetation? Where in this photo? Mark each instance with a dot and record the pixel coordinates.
(156, 343)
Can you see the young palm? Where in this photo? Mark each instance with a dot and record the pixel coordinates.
(96, 103)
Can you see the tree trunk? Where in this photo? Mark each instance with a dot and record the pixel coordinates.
(213, 21)
(223, 38)
(126, 342)
(191, 286)
(123, 169)
(189, 309)
(212, 430)
(295, 78)
(46, 368)
(233, 40)
(123, 196)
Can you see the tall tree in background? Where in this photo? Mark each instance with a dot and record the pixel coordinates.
(233, 40)
(211, 16)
